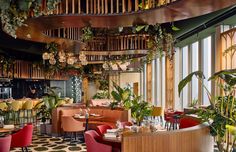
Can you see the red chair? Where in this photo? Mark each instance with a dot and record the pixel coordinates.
(186, 122)
(92, 145)
(126, 123)
(102, 129)
(5, 144)
(22, 138)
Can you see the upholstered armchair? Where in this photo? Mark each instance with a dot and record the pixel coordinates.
(72, 126)
(22, 138)
(93, 145)
(5, 144)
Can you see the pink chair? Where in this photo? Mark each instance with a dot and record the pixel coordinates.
(186, 122)
(102, 129)
(92, 145)
(126, 123)
(5, 144)
(22, 138)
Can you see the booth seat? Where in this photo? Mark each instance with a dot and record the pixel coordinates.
(100, 102)
(109, 116)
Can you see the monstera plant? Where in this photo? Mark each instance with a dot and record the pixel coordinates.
(222, 109)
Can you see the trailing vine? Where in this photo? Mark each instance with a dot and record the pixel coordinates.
(15, 12)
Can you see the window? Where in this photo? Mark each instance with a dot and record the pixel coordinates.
(185, 72)
(194, 67)
(207, 67)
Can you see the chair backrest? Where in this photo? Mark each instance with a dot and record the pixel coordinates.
(101, 129)
(69, 124)
(186, 122)
(156, 111)
(92, 145)
(126, 123)
(5, 143)
(22, 138)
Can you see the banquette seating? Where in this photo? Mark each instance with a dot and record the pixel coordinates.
(109, 116)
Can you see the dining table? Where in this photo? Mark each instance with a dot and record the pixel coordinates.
(8, 130)
(86, 119)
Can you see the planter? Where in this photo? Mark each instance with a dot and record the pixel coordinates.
(43, 128)
(48, 129)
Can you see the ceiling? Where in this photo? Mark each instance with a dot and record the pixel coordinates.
(23, 49)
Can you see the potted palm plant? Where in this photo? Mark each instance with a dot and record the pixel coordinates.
(222, 109)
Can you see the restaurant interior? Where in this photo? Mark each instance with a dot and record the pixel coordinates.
(118, 75)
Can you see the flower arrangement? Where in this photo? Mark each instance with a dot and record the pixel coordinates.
(56, 60)
(15, 12)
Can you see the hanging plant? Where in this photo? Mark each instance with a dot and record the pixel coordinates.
(15, 12)
(59, 61)
(7, 66)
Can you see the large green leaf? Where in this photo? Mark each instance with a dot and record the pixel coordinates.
(188, 78)
(116, 96)
(229, 76)
(118, 88)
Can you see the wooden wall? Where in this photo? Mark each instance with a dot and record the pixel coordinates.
(193, 139)
(26, 70)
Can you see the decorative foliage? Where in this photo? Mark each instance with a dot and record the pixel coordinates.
(125, 97)
(87, 34)
(159, 41)
(222, 109)
(15, 12)
(7, 65)
(57, 60)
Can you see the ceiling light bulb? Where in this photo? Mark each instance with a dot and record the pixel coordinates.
(45, 56)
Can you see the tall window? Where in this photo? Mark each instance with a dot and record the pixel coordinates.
(158, 80)
(185, 72)
(207, 67)
(194, 67)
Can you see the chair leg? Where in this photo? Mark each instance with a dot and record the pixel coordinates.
(22, 149)
(26, 149)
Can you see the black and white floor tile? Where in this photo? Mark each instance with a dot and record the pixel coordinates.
(52, 144)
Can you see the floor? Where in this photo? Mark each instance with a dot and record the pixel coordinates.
(53, 144)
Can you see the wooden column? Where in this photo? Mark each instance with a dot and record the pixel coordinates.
(149, 82)
(169, 83)
(85, 89)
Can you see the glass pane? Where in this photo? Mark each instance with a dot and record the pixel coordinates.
(206, 67)
(195, 52)
(185, 72)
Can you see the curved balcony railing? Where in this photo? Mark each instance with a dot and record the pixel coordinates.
(100, 7)
(103, 43)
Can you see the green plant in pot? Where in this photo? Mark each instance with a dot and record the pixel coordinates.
(121, 96)
(139, 109)
(222, 109)
(50, 102)
(125, 97)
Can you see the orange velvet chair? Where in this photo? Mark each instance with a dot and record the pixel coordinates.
(72, 126)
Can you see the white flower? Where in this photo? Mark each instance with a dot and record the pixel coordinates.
(85, 62)
(62, 59)
(82, 57)
(52, 61)
(70, 61)
(105, 65)
(45, 56)
(51, 55)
